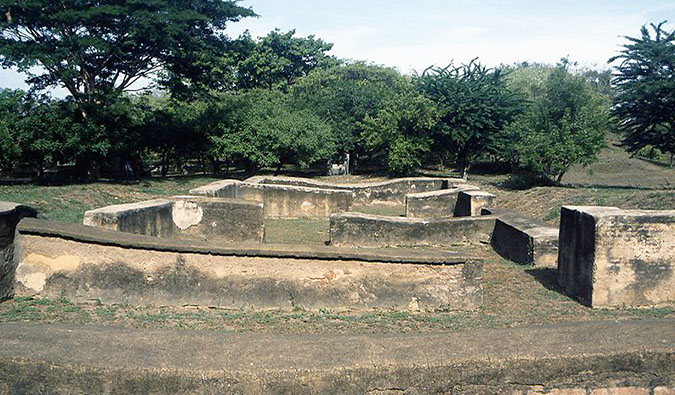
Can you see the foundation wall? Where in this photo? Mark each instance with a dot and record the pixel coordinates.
(139, 271)
(366, 230)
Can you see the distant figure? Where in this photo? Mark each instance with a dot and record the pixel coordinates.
(342, 169)
(128, 170)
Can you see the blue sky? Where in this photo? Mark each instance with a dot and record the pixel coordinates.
(412, 35)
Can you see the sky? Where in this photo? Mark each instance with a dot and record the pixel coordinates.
(415, 34)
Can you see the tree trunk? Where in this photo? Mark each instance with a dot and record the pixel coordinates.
(559, 178)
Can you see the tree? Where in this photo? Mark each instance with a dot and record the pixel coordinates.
(95, 48)
(261, 128)
(279, 59)
(402, 130)
(343, 96)
(564, 125)
(645, 82)
(475, 105)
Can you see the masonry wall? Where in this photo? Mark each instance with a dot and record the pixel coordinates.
(10, 215)
(197, 217)
(54, 261)
(434, 204)
(390, 191)
(613, 258)
(366, 230)
(285, 201)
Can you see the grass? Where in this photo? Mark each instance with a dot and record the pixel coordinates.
(68, 203)
(513, 295)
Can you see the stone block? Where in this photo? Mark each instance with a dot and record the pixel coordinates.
(523, 239)
(434, 204)
(223, 188)
(367, 230)
(470, 203)
(218, 219)
(150, 217)
(10, 215)
(610, 257)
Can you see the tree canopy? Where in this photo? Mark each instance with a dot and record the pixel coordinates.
(645, 82)
(97, 47)
(475, 105)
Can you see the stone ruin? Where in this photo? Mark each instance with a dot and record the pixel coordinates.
(208, 248)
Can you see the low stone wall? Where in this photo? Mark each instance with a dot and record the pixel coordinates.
(282, 201)
(367, 230)
(218, 219)
(434, 204)
(150, 217)
(286, 201)
(390, 191)
(612, 258)
(223, 188)
(470, 203)
(523, 239)
(10, 215)
(84, 263)
(201, 217)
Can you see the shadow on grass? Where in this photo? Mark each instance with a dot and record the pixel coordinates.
(548, 277)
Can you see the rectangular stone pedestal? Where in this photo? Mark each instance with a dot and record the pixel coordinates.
(614, 258)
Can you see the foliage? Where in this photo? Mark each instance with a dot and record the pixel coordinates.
(96, 48)
(564, 125)
(344, 95)
(475, 105)
(645, 82)
(279, 59)
(262, 128)
(402, 130)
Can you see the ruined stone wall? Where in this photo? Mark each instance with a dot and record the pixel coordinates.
(613, 258)
(83, 264)
(285, 201)
(10, 215)
(434, 204)
(367, 230)
(200, 217)
(390, 191)
(523, 239)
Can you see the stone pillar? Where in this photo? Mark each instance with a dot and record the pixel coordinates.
(614, 258)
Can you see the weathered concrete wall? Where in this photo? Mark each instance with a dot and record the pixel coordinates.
(223, 188)
(10, 215)
(434, 204)
(288, 201)
(218, 219)
(611, 258)
(470, 203)
(151, 217)
(523, 239)
(390, 191)
(367, 230)
(200, 217)
(94, 264)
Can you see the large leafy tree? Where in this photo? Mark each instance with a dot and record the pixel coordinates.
(401, 131)
(95, 48)
(262, 128)
(344, 96)
(645, 84)
(475, 105)
(279, 59)
(564, 125)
